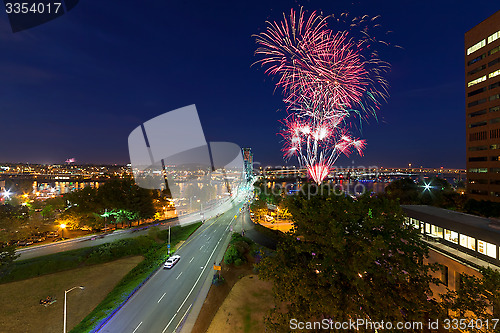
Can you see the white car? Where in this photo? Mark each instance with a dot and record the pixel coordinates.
(171, 261)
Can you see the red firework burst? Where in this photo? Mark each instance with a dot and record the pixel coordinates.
(325, 78)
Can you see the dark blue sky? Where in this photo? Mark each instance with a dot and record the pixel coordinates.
(78, 85)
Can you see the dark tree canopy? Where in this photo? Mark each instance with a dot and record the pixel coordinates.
(122, 199)
(433, 191)
(406, 190)
(349, 259)
(7, 257)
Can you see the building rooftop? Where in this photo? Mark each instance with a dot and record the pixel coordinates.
(484, 228)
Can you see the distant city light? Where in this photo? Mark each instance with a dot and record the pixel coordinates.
(6, 194)
(427, 187)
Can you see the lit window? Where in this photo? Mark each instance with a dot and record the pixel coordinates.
(491, 250)
(476, 47)
(451, 236)
(494, 37)
(492, 74)
(487, 248)
(468, 242)
(479, 80)
(436, 231)
(415, 223)
(478, 170)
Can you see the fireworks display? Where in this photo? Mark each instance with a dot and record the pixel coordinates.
(327, 78)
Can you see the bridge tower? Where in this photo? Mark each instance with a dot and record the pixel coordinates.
(248, 160)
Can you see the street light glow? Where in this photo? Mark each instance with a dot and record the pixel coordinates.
(63, 226)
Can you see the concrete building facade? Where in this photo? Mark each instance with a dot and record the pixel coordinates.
(482, 109)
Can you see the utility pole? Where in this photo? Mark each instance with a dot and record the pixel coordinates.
(168, 246)
(241, 217)
(202, 214)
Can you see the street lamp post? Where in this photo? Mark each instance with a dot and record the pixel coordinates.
(65, 293)
(168, 246)
(63, 226)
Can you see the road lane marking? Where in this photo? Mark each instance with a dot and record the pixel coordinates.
(199, 277)
(178, 276)
(191, 259)
(201, 247)
(169, 323)
(201, 232)
(161, 297)
(180, 321)
(194, 285)
(137, 327)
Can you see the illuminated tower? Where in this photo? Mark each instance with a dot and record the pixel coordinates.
(248, 159)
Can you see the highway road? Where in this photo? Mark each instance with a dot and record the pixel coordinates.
(165, 300)
(86, 241)
(94, 240)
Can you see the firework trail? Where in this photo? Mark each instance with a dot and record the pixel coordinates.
(326, 77)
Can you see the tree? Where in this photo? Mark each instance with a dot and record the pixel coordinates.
(483, 208)
(259, 208)
(403, 189)
(349, 259)
(47, 212)
(474, 299)
(122, 216)
(122, 197)
(434, 191)
(7, 257)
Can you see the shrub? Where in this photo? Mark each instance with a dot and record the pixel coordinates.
(231, 255)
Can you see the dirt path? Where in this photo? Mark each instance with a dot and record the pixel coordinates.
(217, 295)
(245, 307)
(19, 302)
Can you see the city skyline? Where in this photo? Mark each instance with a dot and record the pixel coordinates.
(95, 78)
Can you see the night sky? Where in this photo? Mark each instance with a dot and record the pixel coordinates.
(78, 85)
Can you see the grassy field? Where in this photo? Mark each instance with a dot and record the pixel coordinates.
(245, 307)
(58, 262)
(154, 258)
(19, 302)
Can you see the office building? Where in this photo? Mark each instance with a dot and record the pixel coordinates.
(482, 105)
